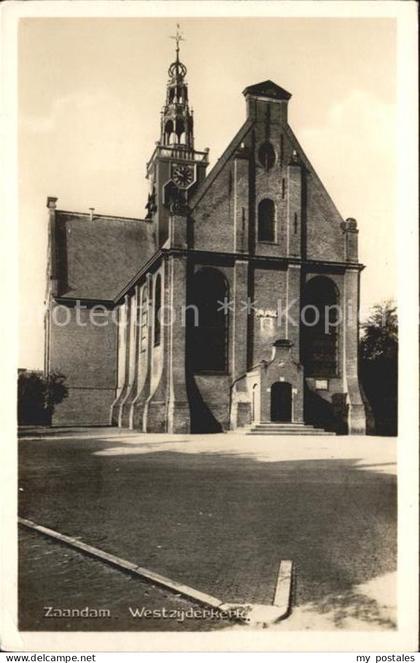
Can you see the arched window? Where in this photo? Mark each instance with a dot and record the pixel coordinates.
(266, 155)
(170, 193)
(266, 218)
(169, 127)
(319, 329)
(208, 325)
(143, 320)
(179, 129)
(158, 300)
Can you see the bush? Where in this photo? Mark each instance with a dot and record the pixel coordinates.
(38, 395)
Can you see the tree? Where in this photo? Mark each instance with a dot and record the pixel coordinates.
(38, 395)
(55, 392)
(380, 333)
(379, 366)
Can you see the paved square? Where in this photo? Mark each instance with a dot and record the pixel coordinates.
(218, 512)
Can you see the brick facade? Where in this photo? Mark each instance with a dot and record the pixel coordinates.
(260, 223)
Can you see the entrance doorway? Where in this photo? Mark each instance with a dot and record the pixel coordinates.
(281, 401)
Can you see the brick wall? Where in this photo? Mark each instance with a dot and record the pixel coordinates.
(214, 215)
(318, 221)
(87, 356)
(269, 287)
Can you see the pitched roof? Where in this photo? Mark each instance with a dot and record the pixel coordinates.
(96, 258)
(267, 89)
(220, 163)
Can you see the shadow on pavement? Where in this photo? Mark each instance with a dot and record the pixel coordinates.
(221, 523)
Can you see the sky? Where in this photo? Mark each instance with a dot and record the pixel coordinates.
(90, 95)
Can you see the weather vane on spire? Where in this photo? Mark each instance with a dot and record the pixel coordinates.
(178, 37)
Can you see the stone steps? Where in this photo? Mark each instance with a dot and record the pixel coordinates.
(286, 429)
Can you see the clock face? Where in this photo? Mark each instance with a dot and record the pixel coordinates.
(183, 175)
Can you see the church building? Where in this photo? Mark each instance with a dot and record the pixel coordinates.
(232, 305)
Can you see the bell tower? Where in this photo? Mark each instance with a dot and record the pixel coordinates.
(175, 168)
(177, 119)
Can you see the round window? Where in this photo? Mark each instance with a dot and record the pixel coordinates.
(266, 155)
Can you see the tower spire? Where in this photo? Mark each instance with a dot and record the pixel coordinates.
(178, 37)
(177, 118)
(176, 167)
(177, 71)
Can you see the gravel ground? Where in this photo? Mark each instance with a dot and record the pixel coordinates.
(220, 512)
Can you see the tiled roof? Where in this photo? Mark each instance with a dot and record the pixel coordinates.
(96, 258)
(268, 89)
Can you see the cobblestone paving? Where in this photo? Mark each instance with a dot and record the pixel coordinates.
(219, 514)
(53, 575)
